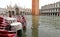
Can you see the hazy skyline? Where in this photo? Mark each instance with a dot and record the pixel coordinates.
(25, 3)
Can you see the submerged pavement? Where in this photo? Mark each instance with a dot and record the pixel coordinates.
(49, 26)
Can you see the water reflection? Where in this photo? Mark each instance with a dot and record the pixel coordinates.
(24, 33)
(35, 20)
(35, 32)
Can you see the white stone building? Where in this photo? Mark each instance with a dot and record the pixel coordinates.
(3, 11)
(51, 9)
(20, 11)
(28, 11)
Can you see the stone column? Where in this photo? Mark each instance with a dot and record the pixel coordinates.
(57, 14)
(35, 7)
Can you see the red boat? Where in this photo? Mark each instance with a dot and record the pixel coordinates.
(23, 21)
(5, 28)
(5, 33)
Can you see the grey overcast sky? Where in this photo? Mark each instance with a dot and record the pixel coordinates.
(25, 3)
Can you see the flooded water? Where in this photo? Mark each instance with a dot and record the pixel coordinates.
(49, 26)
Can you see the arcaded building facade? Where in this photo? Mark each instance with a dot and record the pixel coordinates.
(16, 10)
(51, 9)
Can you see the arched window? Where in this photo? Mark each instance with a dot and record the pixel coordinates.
(17, 11)
(12, 12)
(9, 13)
